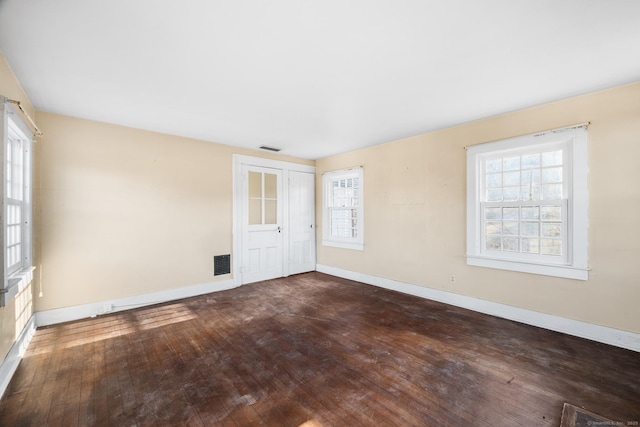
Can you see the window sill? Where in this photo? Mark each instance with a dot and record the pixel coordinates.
(564, 271)
(17, 282)
(343, 245)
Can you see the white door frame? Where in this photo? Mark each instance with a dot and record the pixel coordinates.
(238, 161)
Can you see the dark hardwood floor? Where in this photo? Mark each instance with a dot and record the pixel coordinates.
(313, 350)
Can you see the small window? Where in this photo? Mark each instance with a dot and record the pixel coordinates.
(16, 230)
(527, 204)
(342, 209)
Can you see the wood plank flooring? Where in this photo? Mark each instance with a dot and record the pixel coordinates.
(313, 350)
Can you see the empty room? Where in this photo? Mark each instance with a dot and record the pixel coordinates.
(313, 214)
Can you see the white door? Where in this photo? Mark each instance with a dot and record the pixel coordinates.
(261, 224)
(302, 233)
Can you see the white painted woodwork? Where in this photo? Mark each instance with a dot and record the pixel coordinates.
(260, 252)
(302, 230)
(262, 242)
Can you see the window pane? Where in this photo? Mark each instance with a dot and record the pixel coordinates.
(270, 185)
(270, 212)
(511, 193)
(552, 229)
(551, 175)
(510, 228)
(552, 158)
(531, 161)
(552, 192)
(511, 163)
(551, 247)
(530, 177)
(255, 184)
(531, 246)
(510, 213)
(510, 244)
(494, 195)
(551, 213)
(494, 165)
(530, 212)
(492, 213)
(493, 243)
(530, 229)
(492, 227)
(9, 169)
(511, 178)
(494, 180)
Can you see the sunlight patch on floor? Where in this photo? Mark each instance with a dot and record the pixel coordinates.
(113, 326)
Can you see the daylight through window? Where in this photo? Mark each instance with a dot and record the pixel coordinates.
(342, 203)
(527, 203)
(16, 201)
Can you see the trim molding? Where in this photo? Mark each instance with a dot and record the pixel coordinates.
(590, 331)
(12, 360)
(60, 315)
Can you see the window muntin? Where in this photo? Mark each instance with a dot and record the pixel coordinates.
(343, 207)
(527, 204)
(342, 202)
(16, 198)
(524, 203)
(15, 201)
(263, 198)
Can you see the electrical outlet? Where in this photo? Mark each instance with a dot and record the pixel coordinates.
(452, 279)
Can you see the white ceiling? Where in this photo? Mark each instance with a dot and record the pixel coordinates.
(314, 78)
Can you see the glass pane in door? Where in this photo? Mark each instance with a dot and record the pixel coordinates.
(255, 198)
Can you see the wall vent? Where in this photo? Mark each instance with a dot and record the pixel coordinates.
(264, 147)
(221, 264)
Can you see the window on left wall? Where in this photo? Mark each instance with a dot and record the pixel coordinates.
(17, 203)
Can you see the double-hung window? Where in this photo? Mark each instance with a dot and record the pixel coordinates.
(527, 204)
(342, 193)
(16, 192)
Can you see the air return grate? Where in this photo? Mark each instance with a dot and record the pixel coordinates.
(221, 264)
(265, 147)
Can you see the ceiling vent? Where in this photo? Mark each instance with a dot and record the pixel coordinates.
(264, 147)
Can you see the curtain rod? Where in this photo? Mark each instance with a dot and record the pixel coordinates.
(35, 127)
(353, 168)
(544, 132)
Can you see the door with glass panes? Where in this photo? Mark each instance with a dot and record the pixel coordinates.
(262, 246)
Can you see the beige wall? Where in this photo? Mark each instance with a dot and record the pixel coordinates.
(14, 316)
(127, 212)
(415, 207)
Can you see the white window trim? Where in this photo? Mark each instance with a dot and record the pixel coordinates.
(13, 283)
(345, 243)
(576, 264)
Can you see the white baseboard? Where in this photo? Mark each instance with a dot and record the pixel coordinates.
(11, 361)
(603, 334)
(60, 315)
